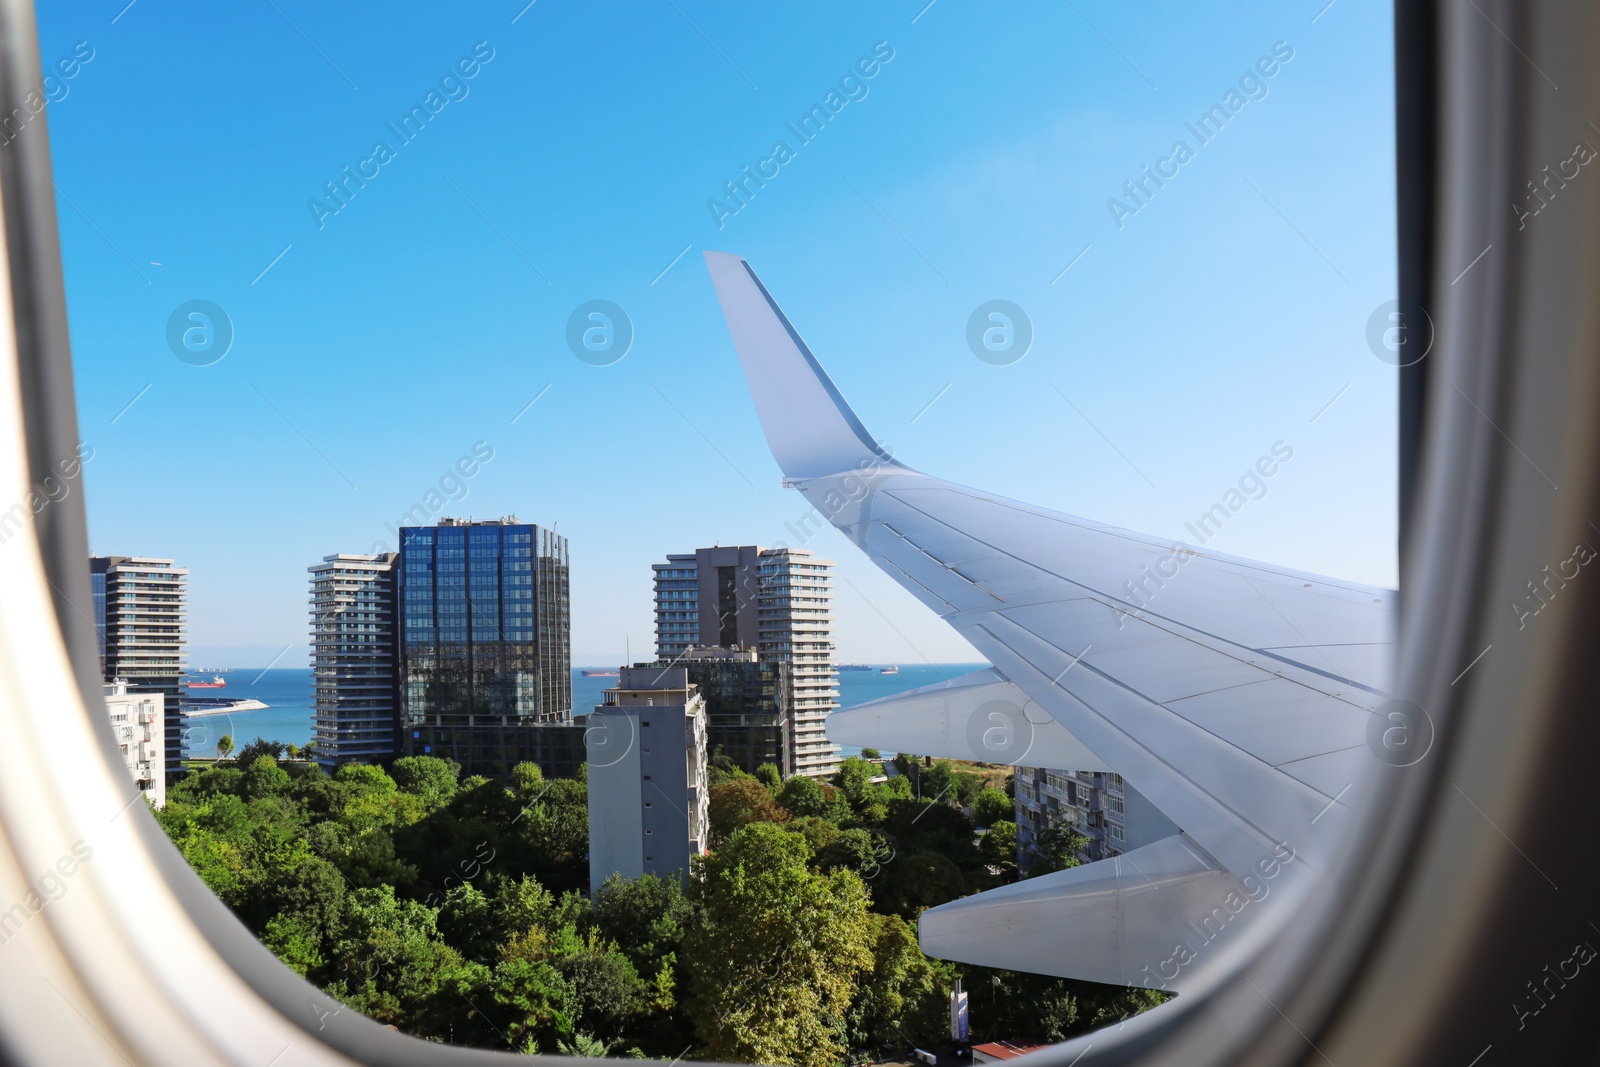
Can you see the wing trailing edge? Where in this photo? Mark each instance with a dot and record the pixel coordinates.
(1151, 917)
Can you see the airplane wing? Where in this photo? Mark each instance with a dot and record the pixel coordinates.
(1235, 695)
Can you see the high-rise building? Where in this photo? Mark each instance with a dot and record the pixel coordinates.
(485, 646)
(137, 727)
(777, 601)
(353, 659)
(139, 612)
(648, 803)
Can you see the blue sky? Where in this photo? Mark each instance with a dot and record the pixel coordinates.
(577, 162)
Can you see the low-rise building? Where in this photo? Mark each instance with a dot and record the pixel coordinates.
(1010, 1049)
(137, 724)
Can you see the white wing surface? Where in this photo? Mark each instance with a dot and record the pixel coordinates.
(1234, 695)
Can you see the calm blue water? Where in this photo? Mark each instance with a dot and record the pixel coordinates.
(288, 691)
(855, 687)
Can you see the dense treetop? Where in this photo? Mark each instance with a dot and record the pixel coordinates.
(457, 909)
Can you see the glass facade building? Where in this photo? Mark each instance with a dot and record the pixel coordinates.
(745, 700)
(484, 641)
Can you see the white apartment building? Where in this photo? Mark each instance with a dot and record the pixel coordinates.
(352, 660)
(137, 725)
(778, 601)
(139, 613)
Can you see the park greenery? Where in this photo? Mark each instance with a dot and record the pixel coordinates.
(458, 909)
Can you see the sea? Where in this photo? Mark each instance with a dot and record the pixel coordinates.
(288, 716)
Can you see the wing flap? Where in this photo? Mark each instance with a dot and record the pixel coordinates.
(1144, 918)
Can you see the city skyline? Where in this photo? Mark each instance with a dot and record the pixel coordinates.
(1152, 384)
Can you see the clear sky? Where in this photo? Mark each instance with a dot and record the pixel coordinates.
(1197, 325)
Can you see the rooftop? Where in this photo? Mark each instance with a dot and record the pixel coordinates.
(1009, 1049)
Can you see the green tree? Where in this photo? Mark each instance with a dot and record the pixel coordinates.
(371, 799)
(871, 753)
(648, 918)
(739, 802)
(224, 746)
(551, 832)
(527, 781)
(213, 832)
(720, 768)
(583, 1045)
(1052, 1009)
(939, 783)
(769, 775)
(999, 849)
(991, 806)
(968, 787)
(529, 997)
(609, 996)
(854, 779)
(818, 833)
(428, 778)
(858, 850)
(802, 796)
(392, 965)
(264, 778)
(904, 1001)
(258, 748)
(774, 960)
(922, 880)
(1056, 848)
(366, 858)
(932, 826)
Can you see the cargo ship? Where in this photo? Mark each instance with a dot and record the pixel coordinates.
(215, 683)
(600, 673)
(853, 667)
(890, 669)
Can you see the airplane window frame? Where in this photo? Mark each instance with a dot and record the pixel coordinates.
(1460, 98)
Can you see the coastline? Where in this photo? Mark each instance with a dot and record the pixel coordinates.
(248, 704)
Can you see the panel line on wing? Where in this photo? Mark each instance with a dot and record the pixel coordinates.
(947, 566)
(1200, 797)
(886, 561)
(1146, 613)
(1115, 531)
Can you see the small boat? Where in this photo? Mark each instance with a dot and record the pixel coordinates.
(890, 669)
